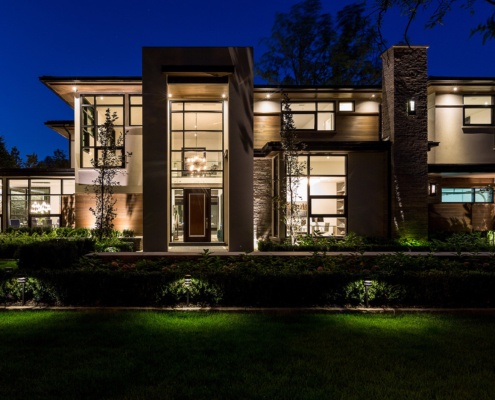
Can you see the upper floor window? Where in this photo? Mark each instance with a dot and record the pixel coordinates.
(313, 115)
(135, 110)
(93, 110)
(467, 195)
(346, 106)
(478, 110)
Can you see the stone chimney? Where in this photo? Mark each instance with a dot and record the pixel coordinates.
(404, 122)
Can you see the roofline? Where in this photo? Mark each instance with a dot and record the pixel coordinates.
(48, 78)
(460, 79)
(37, 172)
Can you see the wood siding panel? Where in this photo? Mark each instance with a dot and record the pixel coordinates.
(129, 212)
(357, 127)
(461, 217)
(266, 129)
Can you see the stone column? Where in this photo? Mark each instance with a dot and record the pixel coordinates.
(404, 80)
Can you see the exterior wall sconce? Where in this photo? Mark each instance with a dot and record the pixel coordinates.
(411, 107)
(367, 283)
(432, 189)
(187, 284)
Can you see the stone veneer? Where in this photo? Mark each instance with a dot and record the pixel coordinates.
(404, 78)
(263, 205)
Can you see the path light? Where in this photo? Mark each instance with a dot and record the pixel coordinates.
(23, 281)
(187, 284)
(367, 283)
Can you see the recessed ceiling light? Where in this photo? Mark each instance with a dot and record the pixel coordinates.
(170, 95)
(224, 96)
(455, 88)
(74, 89)
(268, 95)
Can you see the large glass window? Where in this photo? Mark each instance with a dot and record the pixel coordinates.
(467, 195)
(313, 116)
(196, 161)
(38, 202)
(321, 195)
(93, 110)
(478, 110)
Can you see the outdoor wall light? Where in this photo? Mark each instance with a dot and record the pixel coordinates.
(432, 189)
(411, 107)
(23, 280)
(187, 284)
(367, 283)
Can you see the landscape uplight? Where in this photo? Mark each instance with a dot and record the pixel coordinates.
(187, 284)
(22, 280)
(367, 283)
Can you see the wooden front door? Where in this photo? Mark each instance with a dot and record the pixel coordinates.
(197, 211)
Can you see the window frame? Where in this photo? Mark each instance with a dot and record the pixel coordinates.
(316, 114)
(477, 107)
(86, 127)
(471, 191)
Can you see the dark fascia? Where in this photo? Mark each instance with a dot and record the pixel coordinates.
(327, 146)
(82, 79)
(458, 168)
(310, 88)
(37, 172)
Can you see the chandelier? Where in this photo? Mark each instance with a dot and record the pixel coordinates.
(40, 208)
(196, 164)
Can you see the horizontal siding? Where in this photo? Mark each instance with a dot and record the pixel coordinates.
(129, 212)
(461, 217)
(348, 128)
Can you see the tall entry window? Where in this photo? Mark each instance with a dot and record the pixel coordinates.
(196, 169)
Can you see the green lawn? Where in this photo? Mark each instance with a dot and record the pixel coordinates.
(150, 355)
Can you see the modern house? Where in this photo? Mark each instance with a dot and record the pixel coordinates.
(411, 156)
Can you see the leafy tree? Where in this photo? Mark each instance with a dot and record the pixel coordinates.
(436, 11)
(58, 160)
(32, 161)
(107, 162)
(305, 48)
(8, 159)
(291, 148)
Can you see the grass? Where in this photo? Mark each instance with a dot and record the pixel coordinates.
(149, 355)
(8, 264)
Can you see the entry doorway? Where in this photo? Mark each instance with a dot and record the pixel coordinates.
(197, 211)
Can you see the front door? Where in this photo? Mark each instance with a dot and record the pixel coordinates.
(197, 211)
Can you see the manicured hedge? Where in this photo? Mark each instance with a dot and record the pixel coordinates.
(53, 254)
(267, 281)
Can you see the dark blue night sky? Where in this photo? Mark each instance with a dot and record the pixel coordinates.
(86, 38)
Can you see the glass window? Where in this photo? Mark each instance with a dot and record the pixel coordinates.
(311, 115)
(478, 110)
(38, 202)
(321, 196)
(327, 165)
(136, 110)
(467, 195)
(93, 112)
(346, 106)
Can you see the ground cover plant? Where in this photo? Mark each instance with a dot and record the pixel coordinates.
(148, 355)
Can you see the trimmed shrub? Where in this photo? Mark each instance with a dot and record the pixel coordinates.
(53, 254)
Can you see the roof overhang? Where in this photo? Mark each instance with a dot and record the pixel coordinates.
(64, 128)
(66, 87)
